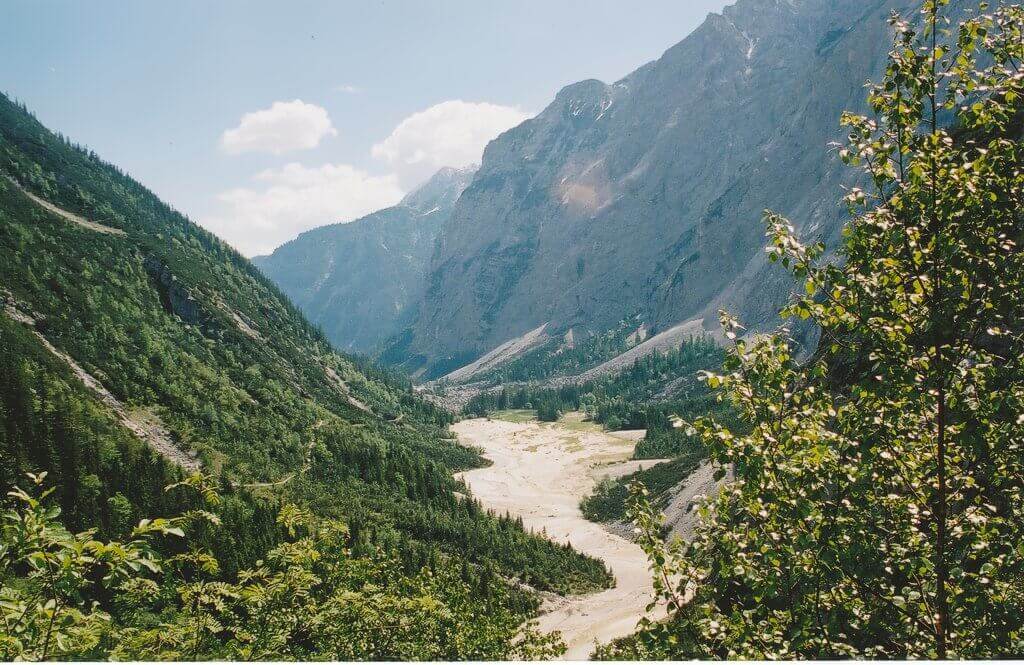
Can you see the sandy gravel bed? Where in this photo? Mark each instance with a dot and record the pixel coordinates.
(540, 472)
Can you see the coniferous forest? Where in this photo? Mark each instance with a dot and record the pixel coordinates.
(194, 343)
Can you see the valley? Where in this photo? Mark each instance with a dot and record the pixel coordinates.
(645, 375)
(540, 472)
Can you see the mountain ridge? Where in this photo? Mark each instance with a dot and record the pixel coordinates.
(357, 279)
(644, 196)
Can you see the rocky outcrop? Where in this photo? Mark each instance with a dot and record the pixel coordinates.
(175, 297)
(356, 280)
(646, 196)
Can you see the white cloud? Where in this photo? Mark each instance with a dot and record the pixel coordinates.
(283, 127)
(349, 89)
(296, 198)
(452, 133)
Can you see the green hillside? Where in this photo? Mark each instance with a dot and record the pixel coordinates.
(187, 347)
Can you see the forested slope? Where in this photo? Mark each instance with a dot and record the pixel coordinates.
(122, 319)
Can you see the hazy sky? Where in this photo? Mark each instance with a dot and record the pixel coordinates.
(262, 119)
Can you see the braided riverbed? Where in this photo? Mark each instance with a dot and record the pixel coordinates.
(540, 472)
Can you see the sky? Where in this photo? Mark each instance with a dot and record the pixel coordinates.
(261, 119)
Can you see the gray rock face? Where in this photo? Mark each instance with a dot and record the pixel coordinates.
(646, 196)
(175, 298)
(355, 280)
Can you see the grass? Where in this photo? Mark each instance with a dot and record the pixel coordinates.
(515, 415)
(577, 421)
(572, 443)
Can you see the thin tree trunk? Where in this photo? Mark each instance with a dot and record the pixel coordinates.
(942, 621)
(942, 574)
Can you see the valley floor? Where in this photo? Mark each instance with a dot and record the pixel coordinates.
(540, 472)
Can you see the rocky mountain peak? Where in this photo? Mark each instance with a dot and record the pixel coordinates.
(645, 196)
(356, 280)
(441, 190)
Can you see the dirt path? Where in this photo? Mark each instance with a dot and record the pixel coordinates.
(69, 216)
(143, 423)
(540, 473)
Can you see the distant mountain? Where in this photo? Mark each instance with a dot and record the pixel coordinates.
(644, 198)
(356, 280)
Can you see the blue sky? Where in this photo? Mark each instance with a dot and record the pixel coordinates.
(163, 89)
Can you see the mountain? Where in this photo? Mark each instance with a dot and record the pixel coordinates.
(643, 198)
(137, 349)
(356, 280)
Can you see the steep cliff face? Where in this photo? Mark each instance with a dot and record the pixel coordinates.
(645, 197)
(355, 280)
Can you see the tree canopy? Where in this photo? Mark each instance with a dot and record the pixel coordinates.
(878, 510)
